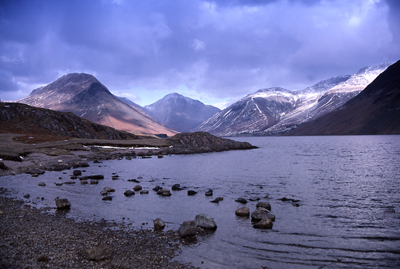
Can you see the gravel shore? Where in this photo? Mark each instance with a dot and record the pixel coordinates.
(30, 238)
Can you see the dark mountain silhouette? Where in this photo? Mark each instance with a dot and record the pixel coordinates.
(376, 110)
(24, 119)
(179, 112)
(86, 97)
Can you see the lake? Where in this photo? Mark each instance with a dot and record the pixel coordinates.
(347, 216)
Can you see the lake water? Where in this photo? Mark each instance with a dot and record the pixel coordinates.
(348, 191)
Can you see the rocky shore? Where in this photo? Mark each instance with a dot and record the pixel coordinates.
(30, 238)
(22, 154)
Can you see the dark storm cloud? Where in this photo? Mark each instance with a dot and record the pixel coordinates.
(217, 48)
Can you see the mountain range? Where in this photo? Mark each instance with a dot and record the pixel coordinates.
(179, 112)
(86, 97)
(272, 111)
(275, 111)
(376, 110)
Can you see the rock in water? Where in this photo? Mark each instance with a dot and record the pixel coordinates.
(99, 253)
(264, 205)
(158, 224)
(191, 192)
(259, 214)
(188, 228)
(205, 221)
(263, 224)
(137, 188)
(129, 193)
(243, 212)
(241, 200)
(209, 193)
(62, 204)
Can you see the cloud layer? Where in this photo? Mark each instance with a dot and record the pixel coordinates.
(216, 51)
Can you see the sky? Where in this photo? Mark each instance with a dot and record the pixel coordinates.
(213, 51)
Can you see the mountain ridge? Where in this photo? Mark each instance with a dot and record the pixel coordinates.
(179, 112)
(83, 95)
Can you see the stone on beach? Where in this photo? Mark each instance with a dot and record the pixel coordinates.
(158, 224)
(205, 221)
(188, 228)
(62, 204)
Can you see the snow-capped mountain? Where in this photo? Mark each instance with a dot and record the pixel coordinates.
(86, 97)
(376, 110)
(298, 107)
(253, 113)
(179, 112)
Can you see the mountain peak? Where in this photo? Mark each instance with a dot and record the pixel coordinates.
(83, 95)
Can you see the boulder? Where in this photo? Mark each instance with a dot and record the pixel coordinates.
(99, 253)
(165, 192)
(74, 177)
(27, 196)
(84, 182)
(191, 192)
(205, 221)
(157, 188)
(243, 212)
(241, 200)
(144, 192)
(129, 193)
(93, 182)
(42, 184)
(209, 193)
(158, 224)
(58, 183)
(106, 198)
(263, 224)
(137, 188)
(259, 214)
(62, 204)
(217, 200)
(77, 172)
(188, 228)
(176, 187)
(254, 199)
(109, 189)
(264, 205)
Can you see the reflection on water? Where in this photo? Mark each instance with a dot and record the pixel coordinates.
(349, 200)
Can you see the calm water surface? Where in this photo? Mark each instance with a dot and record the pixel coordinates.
(348, 191)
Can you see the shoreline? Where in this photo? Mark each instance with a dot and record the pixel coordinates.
(31, 238)
(36, 154)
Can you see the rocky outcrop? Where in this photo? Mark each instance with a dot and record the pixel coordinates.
(201, 142)
(23, 119)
